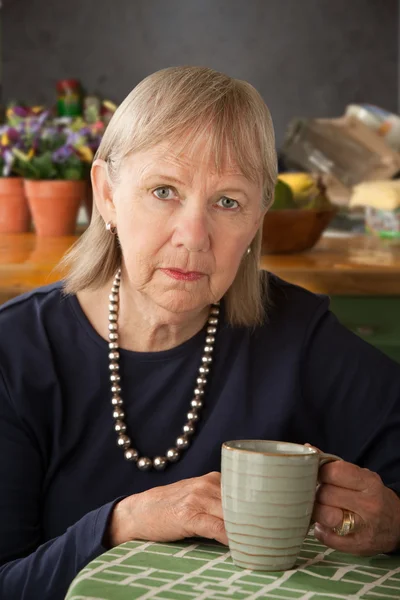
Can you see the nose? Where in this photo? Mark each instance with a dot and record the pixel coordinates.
(191, 228)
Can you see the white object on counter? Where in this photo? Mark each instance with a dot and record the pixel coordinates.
(383, 195)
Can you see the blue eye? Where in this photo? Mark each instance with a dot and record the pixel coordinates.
(162, 193)
(228, 203)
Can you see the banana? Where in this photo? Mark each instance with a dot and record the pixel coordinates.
(303, 185)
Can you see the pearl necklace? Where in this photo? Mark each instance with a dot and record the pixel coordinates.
(182, 442)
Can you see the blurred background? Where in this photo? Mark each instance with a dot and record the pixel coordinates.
(329, 72)
(308, 58)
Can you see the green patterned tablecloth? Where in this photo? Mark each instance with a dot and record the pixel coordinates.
(185, 571)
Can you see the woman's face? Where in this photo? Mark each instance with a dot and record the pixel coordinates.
(183, 228)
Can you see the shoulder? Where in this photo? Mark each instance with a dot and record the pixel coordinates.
(292, 314)
(291, 304)
(27, 315)
(31, 301)
(36, 328)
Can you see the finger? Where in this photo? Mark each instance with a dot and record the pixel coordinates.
(210, 527)
(330, 517)
(211, 477)
(214, 476)
(345, 475)
(208, 486)
(352, 543)
(327, 516)
(215, 480)
(339, 497)
(212, 506)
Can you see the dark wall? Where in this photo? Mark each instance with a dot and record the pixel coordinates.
(306, 57)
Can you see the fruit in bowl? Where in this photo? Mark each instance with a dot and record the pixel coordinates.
(295, 226)
(302, 185)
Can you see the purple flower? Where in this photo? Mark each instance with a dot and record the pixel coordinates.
(19, 111)
(62, 154)
(49, 132)
(93, 146)
(43, 117)
(75, 139)
(85, 131)
(33, 125)
(13, 135)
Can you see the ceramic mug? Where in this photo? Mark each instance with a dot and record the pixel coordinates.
(268, 495)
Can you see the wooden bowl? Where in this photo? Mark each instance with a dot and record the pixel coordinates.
(286, 231)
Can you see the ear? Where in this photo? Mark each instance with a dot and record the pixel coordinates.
(102, 192)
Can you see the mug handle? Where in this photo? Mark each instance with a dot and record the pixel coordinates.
(327, 458)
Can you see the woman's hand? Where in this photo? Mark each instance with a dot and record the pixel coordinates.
(188, 508)
(376, 510)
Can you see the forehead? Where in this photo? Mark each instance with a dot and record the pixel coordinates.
(187, 156)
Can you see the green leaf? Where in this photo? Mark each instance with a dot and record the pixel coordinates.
(44, 167)
(73, 174)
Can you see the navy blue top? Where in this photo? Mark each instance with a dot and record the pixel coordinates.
(301, 377)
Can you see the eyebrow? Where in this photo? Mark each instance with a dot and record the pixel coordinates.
(235, 190)
(163, 177)
(169, 178)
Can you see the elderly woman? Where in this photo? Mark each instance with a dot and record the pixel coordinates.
(119, 384)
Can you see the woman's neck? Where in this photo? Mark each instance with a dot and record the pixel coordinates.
(142, 325)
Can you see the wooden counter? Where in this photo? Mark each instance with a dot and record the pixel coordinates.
(344, 265)
(27, 261)
(350, 266)
(361, 274)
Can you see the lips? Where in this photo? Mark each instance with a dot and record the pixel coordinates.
(181, 275)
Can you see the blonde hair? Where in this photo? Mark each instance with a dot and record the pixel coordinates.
(180, 103)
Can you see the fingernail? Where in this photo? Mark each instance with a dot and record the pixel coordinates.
(320, 529)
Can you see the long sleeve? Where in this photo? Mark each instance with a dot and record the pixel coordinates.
(29, 569)
(352, 393)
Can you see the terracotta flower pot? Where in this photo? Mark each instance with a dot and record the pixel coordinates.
(14, 209)
(54, 205)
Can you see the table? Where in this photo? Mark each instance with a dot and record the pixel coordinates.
(337, 265)
(204, 571)
(28, 261)
(360, 273)
(342, 265)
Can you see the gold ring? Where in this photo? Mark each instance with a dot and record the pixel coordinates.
(347, 525)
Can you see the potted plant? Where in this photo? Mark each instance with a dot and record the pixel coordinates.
(56, 171)
(14, 210)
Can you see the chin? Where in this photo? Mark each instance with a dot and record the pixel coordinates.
(181, 302)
